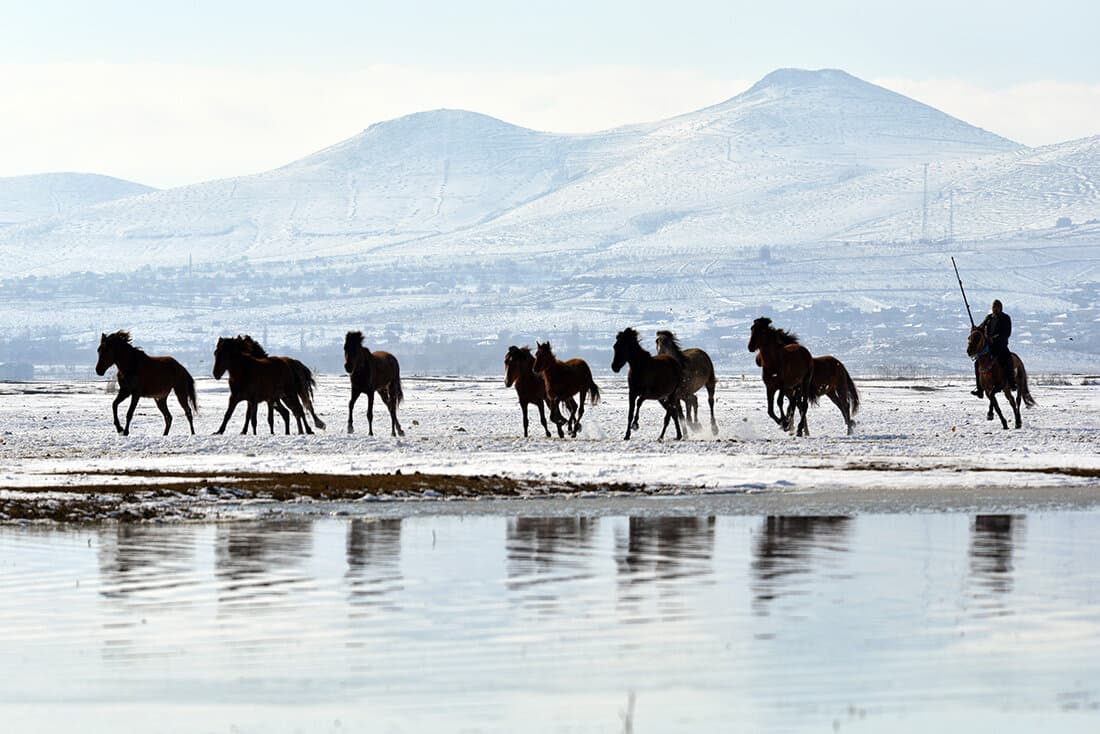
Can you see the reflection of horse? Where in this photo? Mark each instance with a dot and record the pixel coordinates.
(257, 380)
(373, 372)
(650, 378)
(792, 365)
(992, 377)
(142, 376)
(530, 388)
(698, 373)
(830, 378)
(563, 380)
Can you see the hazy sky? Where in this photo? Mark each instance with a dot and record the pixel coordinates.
(172, 93)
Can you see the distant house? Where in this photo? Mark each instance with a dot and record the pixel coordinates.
(21, 371)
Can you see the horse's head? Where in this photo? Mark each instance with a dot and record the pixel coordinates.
(759, 328)
(250, 346)
(976, 343)
(516, 361)
(544, 356)
(626, 342)
(665, 339)
(106, 355)
(353, 350)
(223, 353)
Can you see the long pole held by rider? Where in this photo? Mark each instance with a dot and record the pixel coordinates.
(972, 324)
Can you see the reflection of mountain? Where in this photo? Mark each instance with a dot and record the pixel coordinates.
(543, 551)
(993, 539)
(256, 560)
(374, 562)
(135, 558)
(660, 553)
(784, 553)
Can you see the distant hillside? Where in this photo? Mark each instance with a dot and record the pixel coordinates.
(23, 198)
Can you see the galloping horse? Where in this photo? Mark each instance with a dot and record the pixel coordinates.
(831, 379)
(992, 377)
(257, 380)
(792, 365)
(530, 388)
(698, 372)
(650, 378)
(304, 386)
(563, 380)
(142, 376)
(371, 372)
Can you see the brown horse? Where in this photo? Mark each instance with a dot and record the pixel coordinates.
(371, 372)
(257, 380)
(304, 385)
(530, 388)
(142, 376)
(791, 363)
(698, 373)
(831, 379)
(993, 380)
(563, 380)
(650, 378)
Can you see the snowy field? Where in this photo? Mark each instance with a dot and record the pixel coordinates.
(911, 435)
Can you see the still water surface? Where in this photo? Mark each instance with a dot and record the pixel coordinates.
(504, 624)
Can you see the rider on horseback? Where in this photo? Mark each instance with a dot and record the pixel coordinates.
(997, 326)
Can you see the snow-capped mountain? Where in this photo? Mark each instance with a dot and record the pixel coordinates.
(23, 198)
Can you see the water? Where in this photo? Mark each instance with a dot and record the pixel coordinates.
(502, 624)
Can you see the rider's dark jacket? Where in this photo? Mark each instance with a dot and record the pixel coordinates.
(998, 327)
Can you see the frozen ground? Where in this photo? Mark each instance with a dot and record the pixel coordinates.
(913, 435)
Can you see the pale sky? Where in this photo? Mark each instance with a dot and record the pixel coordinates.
(174, 93)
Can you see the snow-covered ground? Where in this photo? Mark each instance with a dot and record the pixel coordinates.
(911, 435)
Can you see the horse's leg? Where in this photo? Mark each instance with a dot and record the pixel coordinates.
(123, 393)
(233, 400)
(788, 415)
(130, 413)
(637, 417)
(676, 417)
(995, 406)
(634, 404)
(249, 418)
(284, 414)
(556, 416)
(580, 411)
(395, 425)
(710, 402)
(370, 412)
(1015, 407)
(271, 416)
(691, 403)
(162, 404)
(295, 406)
(523, 409)
(186, 410)
(355, 393)
(803, 406)
(842, 405)
(542, 418)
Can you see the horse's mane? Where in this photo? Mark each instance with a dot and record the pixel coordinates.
(525, 352)
(628, 333)
(251, 346)
(782, 335)
(353, 338)
(121, 338)
(673, 344)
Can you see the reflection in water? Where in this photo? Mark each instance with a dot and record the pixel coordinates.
(255, 560)
(665, 551)
(137, 560)
(993, 539)
(374, 563)
(783, 553)
(544, 551)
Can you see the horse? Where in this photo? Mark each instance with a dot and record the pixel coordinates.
(992, 376)
(563, 380)
(530, 388)
(142, 376)
(304, 385)
(371, 372)
(698, 373)
(831, 379)
(257, 380)
(650, 378)
(790, 362)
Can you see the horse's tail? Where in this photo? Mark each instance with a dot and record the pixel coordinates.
(853, 394)
(304, 383)
(595, 400)
(1021, 383)
(185, 389)
(395, 384)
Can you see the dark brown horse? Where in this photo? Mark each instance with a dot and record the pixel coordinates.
(530, 388)
(792, 365)
(993, 381)
(142, 376)
(257, 380)
(831, 379)
(304, 385)
(373, 372)
(698, 373)
(650, 378)
(563, 380)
